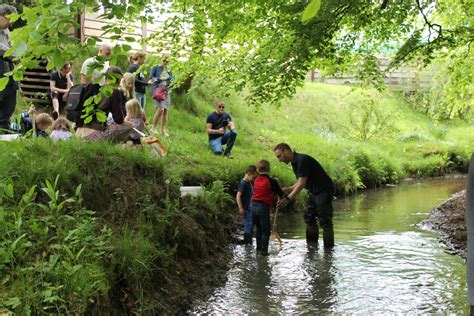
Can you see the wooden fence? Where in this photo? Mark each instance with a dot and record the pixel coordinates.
(408, 78)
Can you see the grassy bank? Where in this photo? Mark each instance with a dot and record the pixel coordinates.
(92, 228)
(111, 233)
(363, 138)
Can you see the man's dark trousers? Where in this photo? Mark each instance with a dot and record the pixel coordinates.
(7, 105)
(319, 210)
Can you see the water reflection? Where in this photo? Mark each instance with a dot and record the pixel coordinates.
(383, 263)
(321, 282)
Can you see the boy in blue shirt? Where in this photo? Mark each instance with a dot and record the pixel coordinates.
(244, 198)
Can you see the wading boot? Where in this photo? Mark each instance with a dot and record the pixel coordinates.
(312, 234)
(247, 239)
(328, 237)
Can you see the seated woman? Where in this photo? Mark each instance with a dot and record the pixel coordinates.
(60, 82)
(119, 130)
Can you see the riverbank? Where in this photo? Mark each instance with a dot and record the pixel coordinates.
(448, 219)
(93, 228)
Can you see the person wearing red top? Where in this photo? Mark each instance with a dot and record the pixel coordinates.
(264, 191)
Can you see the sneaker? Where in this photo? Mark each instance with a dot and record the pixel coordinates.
(55, 115)
(228, 155)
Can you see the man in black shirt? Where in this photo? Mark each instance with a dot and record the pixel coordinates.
(217, 124)
(310, 175)
(60, 83)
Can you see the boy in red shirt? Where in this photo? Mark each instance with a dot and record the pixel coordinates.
(264, 190)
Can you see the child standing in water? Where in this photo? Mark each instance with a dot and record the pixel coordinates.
(244, 198)
(265, 189)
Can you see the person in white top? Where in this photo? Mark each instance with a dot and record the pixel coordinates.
(89, 73)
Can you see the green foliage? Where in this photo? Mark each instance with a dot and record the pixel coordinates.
(51, 254)
(451, 93)
(311, 10)
(368, 116)
(266, 47)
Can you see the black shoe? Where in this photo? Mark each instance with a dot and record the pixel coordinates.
(55, 115)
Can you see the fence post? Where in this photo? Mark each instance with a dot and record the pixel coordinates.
(470, 234)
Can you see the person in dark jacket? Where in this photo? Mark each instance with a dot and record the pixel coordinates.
(8, 94)
(136, 61)
(311, 176)
(264, 191)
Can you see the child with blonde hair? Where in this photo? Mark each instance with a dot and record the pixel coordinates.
(61, 129)
(127, 85)
(136, 118)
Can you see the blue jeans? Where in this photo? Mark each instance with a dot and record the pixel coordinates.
(141, 98)
(261, 220)
(248, 223)
(228, 138)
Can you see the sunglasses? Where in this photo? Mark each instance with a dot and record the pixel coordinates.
(221, 107)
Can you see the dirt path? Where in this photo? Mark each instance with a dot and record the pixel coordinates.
(448, 219)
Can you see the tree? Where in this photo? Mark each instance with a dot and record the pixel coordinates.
(263, 46)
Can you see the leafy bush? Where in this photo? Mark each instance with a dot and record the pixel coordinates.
(52, 254)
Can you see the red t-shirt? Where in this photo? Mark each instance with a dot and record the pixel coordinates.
(265, 188)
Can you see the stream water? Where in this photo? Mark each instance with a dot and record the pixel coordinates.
(384, 262)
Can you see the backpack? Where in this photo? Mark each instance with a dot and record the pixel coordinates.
(78, 94)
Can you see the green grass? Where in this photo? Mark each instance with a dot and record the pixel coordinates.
(325, 121)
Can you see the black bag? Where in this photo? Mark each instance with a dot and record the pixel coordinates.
(78, 94)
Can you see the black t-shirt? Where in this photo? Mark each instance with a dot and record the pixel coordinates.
(140, 81)
(217, 122)
(317, 179)
(59, 81)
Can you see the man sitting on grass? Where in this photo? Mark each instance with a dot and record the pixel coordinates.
(217, 124)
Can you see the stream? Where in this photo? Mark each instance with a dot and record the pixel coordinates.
(383, 262)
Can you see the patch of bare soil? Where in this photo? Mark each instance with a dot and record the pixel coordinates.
(449, 220)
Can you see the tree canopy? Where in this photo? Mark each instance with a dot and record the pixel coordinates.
(266, 47)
